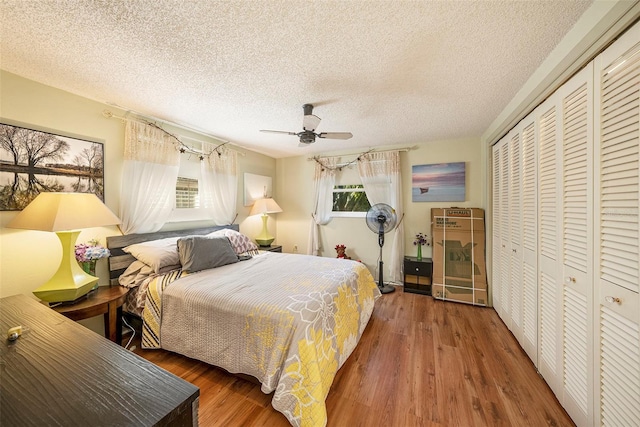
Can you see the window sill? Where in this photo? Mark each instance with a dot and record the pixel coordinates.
(348, 214)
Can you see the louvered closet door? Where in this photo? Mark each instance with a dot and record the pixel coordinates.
(577, 235)
(529, 248)
(495, 229)
(617, 224)
(549, 272)
(515, 231)
(505, 239)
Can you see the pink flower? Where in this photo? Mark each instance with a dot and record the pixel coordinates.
(91, 251)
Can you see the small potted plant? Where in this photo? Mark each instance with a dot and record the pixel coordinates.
(419, 241)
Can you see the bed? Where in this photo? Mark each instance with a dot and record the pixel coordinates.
(288, 320)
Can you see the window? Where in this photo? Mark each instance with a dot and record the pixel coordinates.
(188, 206)
(350, 200)
(187, 196)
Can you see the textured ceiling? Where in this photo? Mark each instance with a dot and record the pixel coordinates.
(390, 72)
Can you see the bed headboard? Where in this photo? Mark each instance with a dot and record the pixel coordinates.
(120, 260)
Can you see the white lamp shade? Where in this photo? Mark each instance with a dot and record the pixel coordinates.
(64, 212)
(265, 206)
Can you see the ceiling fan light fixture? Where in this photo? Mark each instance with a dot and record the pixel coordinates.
(309, 124)
(307, 137)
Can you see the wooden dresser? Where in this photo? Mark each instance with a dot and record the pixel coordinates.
(61, 373)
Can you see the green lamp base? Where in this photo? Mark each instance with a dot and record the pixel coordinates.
(264, 238)
(63, 295)
(265, 242)
(70, 281)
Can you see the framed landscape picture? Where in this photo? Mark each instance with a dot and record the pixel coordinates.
(32, 162)
(440, 182)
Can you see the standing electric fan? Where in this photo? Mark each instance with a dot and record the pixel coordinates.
(381, 218)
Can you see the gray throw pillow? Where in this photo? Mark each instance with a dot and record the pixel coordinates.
(203, 252)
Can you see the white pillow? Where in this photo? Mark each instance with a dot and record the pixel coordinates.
(156, 253)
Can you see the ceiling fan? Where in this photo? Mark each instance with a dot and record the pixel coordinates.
(309, 124)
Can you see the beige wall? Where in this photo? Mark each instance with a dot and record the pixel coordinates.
(295, 196)
(29, 258)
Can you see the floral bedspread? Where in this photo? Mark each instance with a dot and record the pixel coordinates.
(290, 321)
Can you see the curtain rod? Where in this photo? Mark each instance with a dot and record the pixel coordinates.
(371, 150)
(108, 114)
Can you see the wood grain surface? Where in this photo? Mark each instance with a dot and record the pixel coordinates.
(106, 300)
(61, 373)
(420, 362)
(95, 303)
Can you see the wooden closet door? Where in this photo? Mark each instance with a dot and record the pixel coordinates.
(577, 235)
(617, 255)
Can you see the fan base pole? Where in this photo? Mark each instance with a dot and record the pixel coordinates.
(384, 289)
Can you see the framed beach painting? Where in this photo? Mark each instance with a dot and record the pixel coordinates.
(32, 162)
(439, 182)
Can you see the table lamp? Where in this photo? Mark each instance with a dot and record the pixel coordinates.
(264, 207)
(65, 214)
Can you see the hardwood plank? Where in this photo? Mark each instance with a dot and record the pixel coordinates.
(420, 362)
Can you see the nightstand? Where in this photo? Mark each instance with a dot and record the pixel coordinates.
(272, 248)
(417, 275)
(105, 300)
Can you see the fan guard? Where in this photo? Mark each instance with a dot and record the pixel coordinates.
(381, 218)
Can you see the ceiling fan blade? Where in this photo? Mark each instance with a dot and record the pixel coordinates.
(310, 122)
(278, 131)
(335, 135)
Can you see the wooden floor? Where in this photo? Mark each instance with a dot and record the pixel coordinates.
(420, 362)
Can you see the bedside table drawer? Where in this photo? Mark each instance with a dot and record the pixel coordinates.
(417, 275)
(417, 268)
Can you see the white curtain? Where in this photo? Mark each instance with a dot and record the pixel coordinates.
(149, 175)
(382, 181)
(220, 184)
(323, 181)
